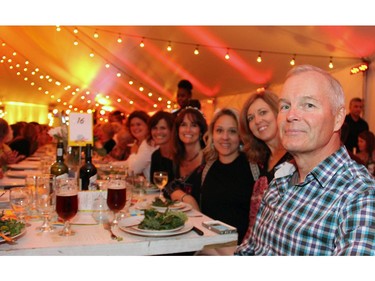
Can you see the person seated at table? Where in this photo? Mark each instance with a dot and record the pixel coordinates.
(105, 135)
(121, 151)
(161, 126)
(139, 160)
(227, 182)
(262, 145)
(324, 203)
(189, 128)
(7, 155)
(27, 144)
(366, 144)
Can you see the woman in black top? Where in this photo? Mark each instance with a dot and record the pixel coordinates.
(161, 126)
(227, 180)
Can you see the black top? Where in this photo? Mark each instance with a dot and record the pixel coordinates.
(109, 145)
(354, 129)
(160, 163)
(226, 192)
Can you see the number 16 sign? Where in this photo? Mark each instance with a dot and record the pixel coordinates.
(80, 129)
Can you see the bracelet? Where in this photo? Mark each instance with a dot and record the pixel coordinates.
(183, 196)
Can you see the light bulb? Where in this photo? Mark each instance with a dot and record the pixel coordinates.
(259, 59)
(196, 51)
(169, 48)
(142, 44)
(119, 39)
(293, 61)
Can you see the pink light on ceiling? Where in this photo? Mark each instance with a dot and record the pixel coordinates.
(348, 40)
(176, 68)
(207, 38)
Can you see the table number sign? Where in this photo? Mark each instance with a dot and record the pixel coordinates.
(80, 129)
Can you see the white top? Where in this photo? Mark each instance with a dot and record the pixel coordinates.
(140, 162)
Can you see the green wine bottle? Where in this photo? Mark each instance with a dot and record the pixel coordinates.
(59, 168)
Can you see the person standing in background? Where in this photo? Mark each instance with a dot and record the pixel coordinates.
(356, 124)
(184, 94)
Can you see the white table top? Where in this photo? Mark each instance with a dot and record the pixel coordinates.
(95, 240)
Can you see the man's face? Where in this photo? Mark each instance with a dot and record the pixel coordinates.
(183, 97)
(355, 108)
(306, 120)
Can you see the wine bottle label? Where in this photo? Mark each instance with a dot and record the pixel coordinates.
(92, 182)
(59, 151)
(62, 176)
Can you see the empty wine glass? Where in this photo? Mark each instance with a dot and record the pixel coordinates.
(45, 199)
(20, 200)
(160, 180)
(116, 197)
(66, 202)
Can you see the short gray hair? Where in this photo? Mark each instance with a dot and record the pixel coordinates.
(336, 95)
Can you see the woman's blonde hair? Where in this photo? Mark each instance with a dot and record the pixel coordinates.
(209, 151)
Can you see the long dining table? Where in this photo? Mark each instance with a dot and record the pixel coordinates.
(91, 237)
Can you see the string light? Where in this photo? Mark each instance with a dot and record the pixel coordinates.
(227, 57)
(96, 35)
(293, 60)
(142, 44)
(259, 59)
(196, 51)
(330, 65)
(169, 48)
(119, 39)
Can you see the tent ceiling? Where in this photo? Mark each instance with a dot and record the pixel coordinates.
(158, 71)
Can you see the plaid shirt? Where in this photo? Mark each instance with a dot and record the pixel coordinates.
(331, 213)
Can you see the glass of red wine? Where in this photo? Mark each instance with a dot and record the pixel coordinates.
(116, 197)
(66, 203)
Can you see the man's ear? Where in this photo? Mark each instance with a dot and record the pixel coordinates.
(339, 118)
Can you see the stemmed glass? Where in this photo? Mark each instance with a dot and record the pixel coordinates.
(66, 202)
(45, 199)
(116, 197)
(20, 199)
(160, 180)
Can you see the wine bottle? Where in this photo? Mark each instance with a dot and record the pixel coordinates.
(88, 171)
(59, 168)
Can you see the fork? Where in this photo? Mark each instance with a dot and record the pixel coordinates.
(107, 226)
(7, 238)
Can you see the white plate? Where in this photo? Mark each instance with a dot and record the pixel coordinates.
(128, 225)
(182, 207)
(31, 165)
(175, 207)
(158, 231)
(21, 173)
(2, 240)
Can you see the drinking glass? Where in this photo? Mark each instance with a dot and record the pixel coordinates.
(116, 197)
(20, 200)
(66, 202)
(45, 199)
(160, 180)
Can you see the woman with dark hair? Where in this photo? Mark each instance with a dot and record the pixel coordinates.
(139, 160)
(161, 126)
(189, 129)
(28, 143)
(7, 156)
(366, 145)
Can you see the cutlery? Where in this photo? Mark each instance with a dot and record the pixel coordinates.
(108, 227)
(198, 231)
(6, 238)
(2, 193)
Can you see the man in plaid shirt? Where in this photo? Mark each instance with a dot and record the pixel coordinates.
(324, 204)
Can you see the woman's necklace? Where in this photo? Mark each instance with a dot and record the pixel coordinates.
(193, 158)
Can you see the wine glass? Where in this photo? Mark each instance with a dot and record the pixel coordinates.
(116, 197)
(160, 180)
(20, 199)
(45, 199)
(66, 202)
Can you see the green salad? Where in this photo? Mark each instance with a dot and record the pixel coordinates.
(158, 202)
(167, 220)
(10, 227)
